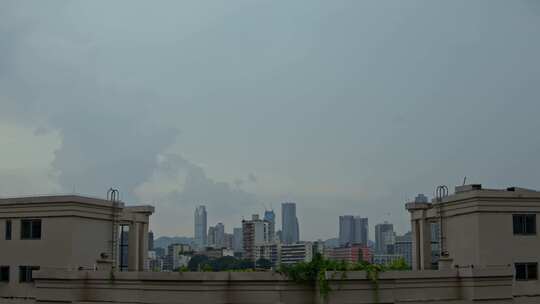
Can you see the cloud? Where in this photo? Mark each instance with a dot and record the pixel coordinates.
(177, 185)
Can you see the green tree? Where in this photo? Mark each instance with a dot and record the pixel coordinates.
(263, 263)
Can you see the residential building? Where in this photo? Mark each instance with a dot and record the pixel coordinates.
(290, 228)
(269, 252)
(179, 255)
(352, 253)
(270, 217)
(482, 228)
(384, 236)
(67, 232)
(200, 226)
(238, 243)
(290, 254)
(403, 247)
(255, 233)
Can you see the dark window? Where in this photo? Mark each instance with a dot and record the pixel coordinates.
(4, 273)
(524, 223)
(25, 273)
(526, 271)
(30, 229)
(8, 230)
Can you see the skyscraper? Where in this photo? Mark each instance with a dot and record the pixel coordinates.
(150, 240)
(353, 230)
(238, 240)
(289, 223)
(361, 230)
(220, 235)
(270, 217)
(200, 226)
(346, 229)
(384, 236)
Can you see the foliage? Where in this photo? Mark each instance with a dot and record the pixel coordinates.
(195, 264)
(263, 263)
(314, 273)
(226, 263)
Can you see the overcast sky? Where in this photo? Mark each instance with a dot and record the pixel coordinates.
(345, 107)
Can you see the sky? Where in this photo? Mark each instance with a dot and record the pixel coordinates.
(344, 107)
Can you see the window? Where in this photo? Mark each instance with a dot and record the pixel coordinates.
(524, 224)
(526, 271)
(25, 273)
(8, 229)
(4, 273)
(30, 229)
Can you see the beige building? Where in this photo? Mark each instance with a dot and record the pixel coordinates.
(482, 229)
(66, 232)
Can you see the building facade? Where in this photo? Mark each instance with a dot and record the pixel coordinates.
(270, 217)
(384, 236)
(482, 228)
(67, 232)
(290, 231)
(255, 233)
(353, 230)
(290, 254)
(200, 226)
(352, 253)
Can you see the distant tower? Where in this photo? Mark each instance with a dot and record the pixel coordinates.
(200, 226)
(150, 240)
(346, 229)
(384, 236)
(220, 235)
(270, 217)
(289, 223)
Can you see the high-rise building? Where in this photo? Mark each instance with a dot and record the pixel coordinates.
(384, 236)
(211, 236)
(220, 235)
(289, 224)
(346, 229)
(353, 230)
(361, 230)
(270, 217)
(255, 233)
(150, 241)
(238, 240)
(200, 226)
(403, 247)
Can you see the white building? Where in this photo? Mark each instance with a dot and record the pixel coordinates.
(294, 253)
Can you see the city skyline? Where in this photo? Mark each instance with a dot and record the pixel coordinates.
(192, 102)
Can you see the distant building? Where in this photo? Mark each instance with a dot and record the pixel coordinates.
(200, 226)
(160, 252)
(220, 235)
(238, 245)
(421, 198)
(179, 255)
(290, 254)
(352, 253)
(403, 247)
(353, 230)
(211, 240)
(150, 240)
(228, 242)
(384, 236)
(385, 259)
(269, 252)
(255, 233)
(290, 228)
(270, 217)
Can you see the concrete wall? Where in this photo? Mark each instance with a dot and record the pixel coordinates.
(412, 287)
